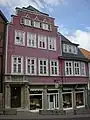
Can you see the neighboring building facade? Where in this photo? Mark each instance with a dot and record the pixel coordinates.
(75, 73)
(86, 53)
(34, 76)
(3, 22)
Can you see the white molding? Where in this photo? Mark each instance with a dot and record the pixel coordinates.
(68, 67)
(54, 43)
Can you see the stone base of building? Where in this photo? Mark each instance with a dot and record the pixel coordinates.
(52, 112)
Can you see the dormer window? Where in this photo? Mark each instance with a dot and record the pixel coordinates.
(45, 26)
(37, 24)
(27, 22)
(69, 49)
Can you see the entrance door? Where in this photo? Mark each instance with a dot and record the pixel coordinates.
(15, 97)
(53, 101)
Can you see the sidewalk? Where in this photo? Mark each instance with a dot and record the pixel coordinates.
(34, 116)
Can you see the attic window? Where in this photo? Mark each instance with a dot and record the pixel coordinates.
(27, 22)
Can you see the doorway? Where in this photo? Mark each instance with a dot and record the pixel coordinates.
(15, 96)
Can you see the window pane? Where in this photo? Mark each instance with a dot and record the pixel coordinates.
(28, 68)
(41, 70)
(44, 69)
(14, 68)
(79, 99)
(67, 100)
(19, 68)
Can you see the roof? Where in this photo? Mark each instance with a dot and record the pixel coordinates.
(64, 39)
(32, 9)
(85, 52)
(2, 15)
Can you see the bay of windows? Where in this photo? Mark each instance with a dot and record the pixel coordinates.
(31, 66)
(68, 68)
(17, 64)
(31, 39)
(75, 68)
(83, 72)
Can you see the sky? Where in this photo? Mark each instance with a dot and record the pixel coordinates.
(72, 16)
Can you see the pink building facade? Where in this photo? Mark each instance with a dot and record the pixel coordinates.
(35, 75)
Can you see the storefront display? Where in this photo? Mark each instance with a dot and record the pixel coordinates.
(67, 100)
(79, 99)
(35, 100)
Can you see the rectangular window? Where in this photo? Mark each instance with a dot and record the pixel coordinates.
(79, 99)
(45, 26)
(68, 68)
(17, 65)
(42, 42)
(54, 68)
(65, 48)
(31, 39)
(43, 67)
(75, 50)
(83, 69)
(69, 48)
(27, 22)
(37, 24)
(52, 43)
(19, 37)
(31, 66)
(76, 68)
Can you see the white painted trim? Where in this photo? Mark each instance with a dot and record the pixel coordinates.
(68, 67)
(76, 68)
(6, 57)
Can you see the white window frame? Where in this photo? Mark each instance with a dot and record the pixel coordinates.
(12, 63)
(83, 98)
(27, 22)
(52, 42)
(71, 98)
(65, 48)
(83, 67)
(32, 38)
(43, 59)
(69, 68)
(45, 26)
(76, 68)
(17, 34)
(54, 68)
(36, 24)
(42, 38)
(35, 65)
